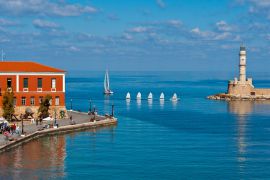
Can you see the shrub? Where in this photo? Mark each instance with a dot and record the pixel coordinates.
(8, 106)
(45, 107)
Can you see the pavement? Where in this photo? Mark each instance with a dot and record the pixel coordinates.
(78, 118)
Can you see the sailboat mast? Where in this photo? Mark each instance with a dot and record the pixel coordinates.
(105, 82)
(108, 81)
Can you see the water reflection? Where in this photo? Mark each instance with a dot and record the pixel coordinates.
(39, 158)
(139, 103)
(242, 110)
(174, 104)
(45, 158)
(150, 103)
(161, 103)
(128, 104)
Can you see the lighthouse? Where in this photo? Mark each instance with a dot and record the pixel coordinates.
(242, 65)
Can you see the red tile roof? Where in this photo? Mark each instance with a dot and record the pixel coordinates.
(19, 66)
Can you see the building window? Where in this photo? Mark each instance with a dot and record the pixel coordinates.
(25, 82)
(53, 83)
(9, 82)
(57, 101)
(23, 101)
(39, 82)
(40, 99)
(32, 101)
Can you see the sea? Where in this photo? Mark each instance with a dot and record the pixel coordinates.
(194, 138)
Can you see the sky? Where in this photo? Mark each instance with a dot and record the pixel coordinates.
(139, 35)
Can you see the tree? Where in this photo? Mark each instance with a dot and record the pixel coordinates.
(45, 107)
(8, 106)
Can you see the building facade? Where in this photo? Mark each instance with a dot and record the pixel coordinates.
(243, 86)
(31, 82)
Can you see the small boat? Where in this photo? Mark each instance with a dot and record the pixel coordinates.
(139, 96)
(174, 97)
(128, 96)
(150, 96)
(161, 97)
(107, 90)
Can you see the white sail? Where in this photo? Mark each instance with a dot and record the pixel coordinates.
(174, 97)
(128, 96)
(139, 96)
(161, 96)
(108, 80)
(107, 84)
(150, 96)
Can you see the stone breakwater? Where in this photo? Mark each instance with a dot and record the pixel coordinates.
(229, 97)
(61, 130)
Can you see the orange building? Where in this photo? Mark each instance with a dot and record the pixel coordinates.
(30, 82)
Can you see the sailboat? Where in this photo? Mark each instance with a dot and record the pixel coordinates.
(107, 90)
(174, 97)
(128, 96)
(139, 96)
(150, 96)
(161, 97)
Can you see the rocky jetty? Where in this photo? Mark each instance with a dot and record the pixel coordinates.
(229, 97)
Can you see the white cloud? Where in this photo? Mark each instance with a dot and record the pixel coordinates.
(223, 36)
(139, 29)
(218, 36)
(161, 3)
(261, 3)
(198, 32)
(223, 26)
(42, 24)
(127, 36)
(175, 23)
(73, 49)
(5, 22)
(44, 7)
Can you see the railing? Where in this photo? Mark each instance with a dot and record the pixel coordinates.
(84, 105)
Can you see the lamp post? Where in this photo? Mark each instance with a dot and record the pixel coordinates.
(90, 105)
(112, 110)
(55, 116)
(71, 104)
(22, 122)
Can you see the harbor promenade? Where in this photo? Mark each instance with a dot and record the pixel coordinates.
(81, 121)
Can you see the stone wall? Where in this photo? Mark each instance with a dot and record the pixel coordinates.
(262, 92)
(246, 90)
(21, 110)
(240, 89)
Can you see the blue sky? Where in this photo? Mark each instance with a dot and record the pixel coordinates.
(176, 35)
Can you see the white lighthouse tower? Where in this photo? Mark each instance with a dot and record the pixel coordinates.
(242, 65)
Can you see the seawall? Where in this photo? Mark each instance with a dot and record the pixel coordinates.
(230, 97)
(60, 130)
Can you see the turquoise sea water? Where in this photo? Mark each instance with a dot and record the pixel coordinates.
(194, 138)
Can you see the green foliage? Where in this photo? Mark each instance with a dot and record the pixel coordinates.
(8, 106)
(44, 107)
(62, 114)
